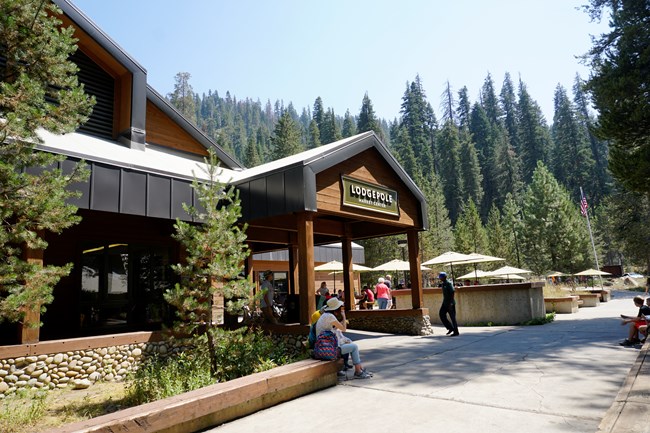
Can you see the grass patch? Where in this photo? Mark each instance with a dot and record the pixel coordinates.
(22, 409)
(548, 318)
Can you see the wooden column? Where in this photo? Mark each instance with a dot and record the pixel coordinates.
(293, 266)
(29, 329)
(306, 287)
(348, 274)
(416, 272)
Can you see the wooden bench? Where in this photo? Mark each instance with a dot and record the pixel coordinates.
(215, 404)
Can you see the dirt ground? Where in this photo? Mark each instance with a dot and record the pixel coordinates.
(63, 406)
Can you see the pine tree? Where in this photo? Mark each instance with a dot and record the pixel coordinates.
(349, 129)
(251, 158)
(555, 235)
(469, 234)
(573, 165)
(286, 138)
(470, 169)
(318, 114)
(513, 226)
(602, 182)
(330, 131)
(464, 108)
(508, 101)
(533, 135)
(497, 236)
(449, 154)
(313, 135)
(448, 105)
(38, 89)
(216, 251)
(419, 121)
(439, 238)
(367, 120)
(489, 101)
(182, 98)
(619, 83)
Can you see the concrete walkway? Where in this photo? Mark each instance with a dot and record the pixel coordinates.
(560, 377)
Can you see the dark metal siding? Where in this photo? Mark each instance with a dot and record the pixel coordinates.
(134, 193)
(121, 190)
(101, 85)
(159, 197)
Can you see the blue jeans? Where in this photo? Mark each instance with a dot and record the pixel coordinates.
(352, 349)
(383, 303)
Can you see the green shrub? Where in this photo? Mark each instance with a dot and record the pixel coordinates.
(238, 353)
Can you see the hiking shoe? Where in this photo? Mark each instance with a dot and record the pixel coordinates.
(362, 375)
(626, 343)
(368, 372)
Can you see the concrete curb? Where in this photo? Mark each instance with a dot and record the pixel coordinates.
(630, 411)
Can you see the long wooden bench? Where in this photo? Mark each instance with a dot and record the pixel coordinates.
(215, 404)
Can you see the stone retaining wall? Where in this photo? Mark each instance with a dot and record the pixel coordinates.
(83, 367)
(408, 322)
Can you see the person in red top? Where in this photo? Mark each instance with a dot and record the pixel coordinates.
(383, 294)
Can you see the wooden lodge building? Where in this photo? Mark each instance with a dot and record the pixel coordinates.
(142, 155)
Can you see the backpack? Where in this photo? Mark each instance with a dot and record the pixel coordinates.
(326, 347)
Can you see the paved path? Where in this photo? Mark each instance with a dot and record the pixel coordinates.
(560, 377)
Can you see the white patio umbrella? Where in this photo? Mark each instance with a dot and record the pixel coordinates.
(476, 274)
(592, 273)
(557, 274)
(397, 265)
(480, 258)
(336, 267)
(508, 271)
(449, 258)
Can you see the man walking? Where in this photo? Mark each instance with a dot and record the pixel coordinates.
(448, 306)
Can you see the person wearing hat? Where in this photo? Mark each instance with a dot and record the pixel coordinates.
(266, 303)
(328, 321)
(448, 306)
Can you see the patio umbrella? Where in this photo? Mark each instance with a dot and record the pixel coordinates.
(476, 274)
(397, 265)
(557, 274)
(592, 273)
(336, 267)
(507, 271)
(478, 258)
(449, 258)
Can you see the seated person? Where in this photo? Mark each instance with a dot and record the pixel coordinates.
(333, 319)
(367, 301)
(636, 322)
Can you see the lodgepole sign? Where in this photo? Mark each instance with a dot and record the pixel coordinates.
(364, 195)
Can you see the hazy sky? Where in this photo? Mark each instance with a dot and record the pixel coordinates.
(338, 50)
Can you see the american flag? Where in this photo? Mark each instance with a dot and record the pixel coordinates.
(583, 206)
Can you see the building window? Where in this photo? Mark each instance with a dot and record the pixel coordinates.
(122, 287)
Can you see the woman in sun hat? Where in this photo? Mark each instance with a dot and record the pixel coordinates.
(329, 322)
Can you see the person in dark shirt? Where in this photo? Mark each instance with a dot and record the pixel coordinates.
(448, 306)
(635, 322)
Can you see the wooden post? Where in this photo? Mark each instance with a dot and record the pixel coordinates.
(306, 288)
(348, 274)
(293, 265)
(29, 329)
(416, 272)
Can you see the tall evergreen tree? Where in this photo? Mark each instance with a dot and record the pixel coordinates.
(511, 220)
(555, 234)
(417, 118)
(601, 183)
(251, 157)
(313, 135)
(498, 244)
(38, 89)
(449, 154)
(573, 165)
(330, 131)
(448, 105)
(349, 129)
(464, 108)
(367, 120)
(439, 238)
(286, 138)
(469, 234)
(619, 83)
(508, 101)
(470, 169)
(182, 98)
(533, 135)
(318, 114)
(489, 101)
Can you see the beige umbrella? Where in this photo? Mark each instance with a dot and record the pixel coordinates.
(479, 258)
(508, 272)
(558, 274)
(397, 265)
(335, 266)
(508, 277)
(592, 273)
(477, 273)
(449, 258)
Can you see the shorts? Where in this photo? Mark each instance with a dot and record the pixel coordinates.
(640, 323)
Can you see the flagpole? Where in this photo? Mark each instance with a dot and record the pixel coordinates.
(591, 236)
